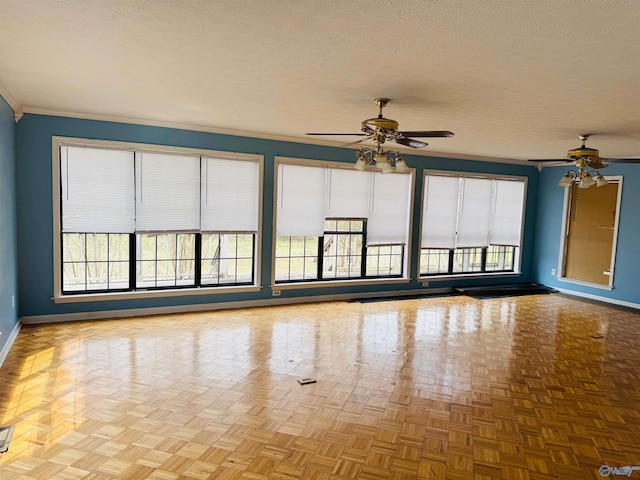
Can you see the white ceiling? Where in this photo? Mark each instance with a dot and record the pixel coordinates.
(513, 79)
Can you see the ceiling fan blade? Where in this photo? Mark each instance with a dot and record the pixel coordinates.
(410, 142)
(368, 137)
(358, 134)
(428, 133)
(568, 160)
(622, 160)
(598, 165)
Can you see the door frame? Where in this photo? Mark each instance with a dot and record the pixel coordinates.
(564, 233)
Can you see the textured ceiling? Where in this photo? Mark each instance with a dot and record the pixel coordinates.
(513, 79)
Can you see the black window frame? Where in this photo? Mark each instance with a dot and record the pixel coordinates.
(451, 252)
(133, 266)
(86, 264)
(320, 256)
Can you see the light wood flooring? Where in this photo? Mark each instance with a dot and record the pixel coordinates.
(440, 388)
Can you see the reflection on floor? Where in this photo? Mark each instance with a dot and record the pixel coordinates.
(442, 388)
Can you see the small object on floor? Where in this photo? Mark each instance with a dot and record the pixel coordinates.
(597, 335)
(306, 381)
(5, 438)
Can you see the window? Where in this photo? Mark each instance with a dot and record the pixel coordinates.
(341, 252)
(494, 258)
(590, 226)
(133, 219)
(470, 224)
(165, 260)
(337, 224)
(227, 259)
(95, 261)
(385, 260)
(342, 249)
(296, 258)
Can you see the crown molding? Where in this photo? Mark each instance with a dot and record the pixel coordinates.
(263, 136)
(18, 111)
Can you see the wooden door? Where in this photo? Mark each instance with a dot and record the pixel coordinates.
(589, 242)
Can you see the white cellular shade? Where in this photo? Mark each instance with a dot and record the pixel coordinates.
(229, 193)
(440, 211)
(475, 211)
(97, 190)
(301, 198)
(167, 192)
(389, 214)
(506, 219)
(348, 193)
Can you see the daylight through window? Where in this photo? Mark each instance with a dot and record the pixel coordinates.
(470, 224)
(140, 220)
(340, 224)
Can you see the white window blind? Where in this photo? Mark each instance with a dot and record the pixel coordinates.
(475, 212)
(229, 194)
(506, 219)
(440, 211)
(97, 190)
(389, 214)
(348, 193)
(301, 198)
(167, 192)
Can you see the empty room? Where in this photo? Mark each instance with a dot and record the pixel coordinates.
(366, 239)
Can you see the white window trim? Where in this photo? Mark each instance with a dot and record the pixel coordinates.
(337, 282)
(564, 232)
(517, 270)
(58, 297)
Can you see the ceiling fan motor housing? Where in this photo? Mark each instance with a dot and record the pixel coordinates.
(582, 152)
(381, 122)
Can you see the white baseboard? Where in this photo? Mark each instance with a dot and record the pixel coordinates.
(9, 343)
(598, 298)
(140, 312)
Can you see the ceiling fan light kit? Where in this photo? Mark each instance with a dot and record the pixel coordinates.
(380, 129)
(384, 162)
(583, 178)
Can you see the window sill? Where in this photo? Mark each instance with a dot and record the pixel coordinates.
(102, 297)
(438, 278)
(337, 283)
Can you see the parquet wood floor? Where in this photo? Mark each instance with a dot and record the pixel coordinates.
(443, 388)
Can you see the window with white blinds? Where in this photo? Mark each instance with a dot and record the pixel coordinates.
(474, 212)
(348, 193)
(118, 191)
(167, 192)
(97, 190)
(466, 211)
(301, 201)
(309, 194)
(440, 211)
(229, 193)
(390, 205)
(506, 218)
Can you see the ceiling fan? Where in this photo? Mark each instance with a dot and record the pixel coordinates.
(588, 157)
(380, 129)
(584, 157)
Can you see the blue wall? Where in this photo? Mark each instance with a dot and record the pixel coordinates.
(35, 222)
(8, 245)
(548, 235)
